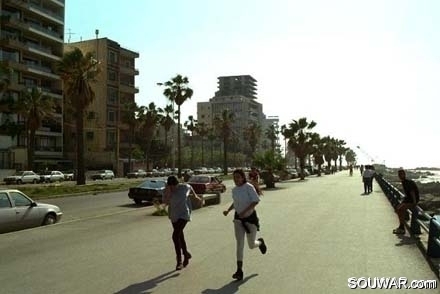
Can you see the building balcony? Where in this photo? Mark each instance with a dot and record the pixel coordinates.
(45, 32)
(49, 152)
(128, 88)
(131, 71)
(55, 16)
(13, 41)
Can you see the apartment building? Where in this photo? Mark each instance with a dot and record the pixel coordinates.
(238, 94)
(32, 38)
(106, 138)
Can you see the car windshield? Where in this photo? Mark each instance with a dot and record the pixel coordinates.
(152, 184)
(198, 179)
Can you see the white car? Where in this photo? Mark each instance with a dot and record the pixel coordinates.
(18, 212)
(51, 176)
(22, 177)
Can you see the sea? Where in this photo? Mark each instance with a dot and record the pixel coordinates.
(428, 176)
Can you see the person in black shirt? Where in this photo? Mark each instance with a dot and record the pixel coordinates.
(409, 201)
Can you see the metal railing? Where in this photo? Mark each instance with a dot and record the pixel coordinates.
(419, 218)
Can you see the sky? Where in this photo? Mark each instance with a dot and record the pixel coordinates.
(366, 71)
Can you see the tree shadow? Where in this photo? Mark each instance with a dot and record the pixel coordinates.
(148, 285)
(229, 288)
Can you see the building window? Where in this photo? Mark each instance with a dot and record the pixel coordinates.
(111, 138)
(112, 75)
(112, 96)
(111, 116)
(113, 57)
(89, 136)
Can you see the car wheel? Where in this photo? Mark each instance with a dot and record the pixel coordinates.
(49, 220)
(34, 181)
(19, 182)
(137, 201)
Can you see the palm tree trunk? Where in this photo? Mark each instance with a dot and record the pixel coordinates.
(179, 149)
(81, 177)
(225, 156)
(203, 159)
(30, 150)
(130, 145)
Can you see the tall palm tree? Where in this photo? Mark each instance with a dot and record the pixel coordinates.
(167, 122)
(177, 91)
(129, 116)
(329, 150)
(317, 151)
(78, 72)
(340, 150)
(299, 134)
(149, 118)
(252, 134)
(224, 126)
(272, 134)
(190, 125)
(34, 107)
(203, 131)
(211, 138)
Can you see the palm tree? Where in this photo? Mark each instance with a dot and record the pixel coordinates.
(34, 106)
(350, 157)
(203, 131)
(272, 134)
(329, 150)
(224, 126)
(340, 150)
(129, 116)
(317, 151)
(211, 138)
(167, 122)
(253, 134)
(300, 140)
(177, 91)
(149, 118)
(190, 125)
(78, 71)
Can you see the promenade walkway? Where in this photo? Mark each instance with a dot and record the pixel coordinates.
(320, 232)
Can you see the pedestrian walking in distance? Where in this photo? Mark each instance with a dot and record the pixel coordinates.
(177, 197)
(246, 222)
(409, 201)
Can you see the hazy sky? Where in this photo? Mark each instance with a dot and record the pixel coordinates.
(368, 72)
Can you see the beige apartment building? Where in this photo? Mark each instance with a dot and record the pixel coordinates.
(32, 38)
(106, 138)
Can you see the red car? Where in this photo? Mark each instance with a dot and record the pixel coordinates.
(206, 184)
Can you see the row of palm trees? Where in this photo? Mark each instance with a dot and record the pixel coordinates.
(79, 71)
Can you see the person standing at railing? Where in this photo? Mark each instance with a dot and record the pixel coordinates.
(409, 201)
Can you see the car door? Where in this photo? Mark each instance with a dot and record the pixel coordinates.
(27, 214)
(7, 214)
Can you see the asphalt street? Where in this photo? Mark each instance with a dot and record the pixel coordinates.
(319, 232)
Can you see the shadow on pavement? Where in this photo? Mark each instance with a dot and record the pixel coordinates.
(406, 240)
(147, 285)
(229, 288)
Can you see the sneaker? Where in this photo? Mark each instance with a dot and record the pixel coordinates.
(238, 275)
(186, 259)
(262, 247)
(399, 231)
(179, 266)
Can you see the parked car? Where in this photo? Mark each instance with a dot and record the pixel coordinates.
(140, 173)
(293, 173)
(22, 177)
(149, 190)
(18, 211)
(51, 176)
(69, 175)
(206, 184)
(103, 175)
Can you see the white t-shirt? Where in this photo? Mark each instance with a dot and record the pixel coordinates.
(243, 196)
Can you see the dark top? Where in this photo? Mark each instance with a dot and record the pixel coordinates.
(408, 186)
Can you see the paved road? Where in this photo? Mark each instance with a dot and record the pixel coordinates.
(319, 232)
